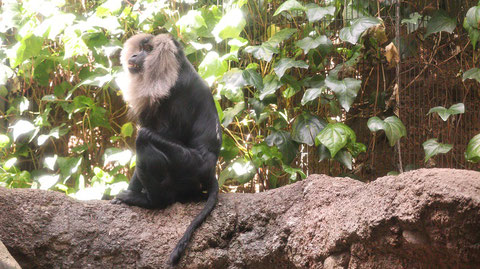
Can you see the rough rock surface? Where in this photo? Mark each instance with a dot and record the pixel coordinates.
(6, 260)
(420, 219)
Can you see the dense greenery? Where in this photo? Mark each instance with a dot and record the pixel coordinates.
(276, 86)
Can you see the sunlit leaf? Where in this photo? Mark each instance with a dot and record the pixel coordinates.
(312, 94)
(122, 157)
(393, 127)
(263, 52)
(346, 90)
(353, 32)
(231, 112)
(316, 13)
(241, 170)
(127, 129)
(270, 85)
(289, 5)
(432, 148)
(323, 42)
(281, 36)
(21, 127)
(4, 141)
(230, 26)
(286, 63)
(48, 181)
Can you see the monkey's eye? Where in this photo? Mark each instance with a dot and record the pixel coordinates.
(147, 47)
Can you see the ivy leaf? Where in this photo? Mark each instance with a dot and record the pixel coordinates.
(281, 36)
(432, 148)
(263, 52)
(472, 24)
(316, 13)
(393, 127)
(69, 165)
(312, 94)
(473, 150)
(440, 22)
(4, 141)
(241, 170)
(289, 5)
(343, 156)
(229, 149)
(445, 113)
(231, 112)
(127, 129)
(270, 85)
(346, 90)
(309, 43)
(285, 144)
(353, 32)
(306, 127)
(473, 73)
(286, 63)
(122, 157)
(253, 78)
(22, 127)
(230, 26)
(335, 136)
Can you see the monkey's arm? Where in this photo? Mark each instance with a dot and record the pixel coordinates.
(178, 154)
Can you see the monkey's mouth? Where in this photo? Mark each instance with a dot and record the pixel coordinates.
(134, 68)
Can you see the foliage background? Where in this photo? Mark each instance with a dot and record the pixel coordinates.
(300, 87)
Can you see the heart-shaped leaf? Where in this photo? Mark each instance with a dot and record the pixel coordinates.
(473, 150)
(316, 13)
(281, 36)
(473, 73)
(393, 127)
(285, 144)
(312, 94)
(306, 127)
(432, 148)
(241, 170)
(445, 113)
(263, 52)
(440, 22)
(353, 32)
(289, 5)
(346, 90)
(335, 136)
(286, 63)
(270, 85)
(323, 42)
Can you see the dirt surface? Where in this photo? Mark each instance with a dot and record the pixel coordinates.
(420, 219)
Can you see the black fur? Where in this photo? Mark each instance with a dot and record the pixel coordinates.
(177, 149)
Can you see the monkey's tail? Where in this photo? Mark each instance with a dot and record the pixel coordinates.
(199, 219)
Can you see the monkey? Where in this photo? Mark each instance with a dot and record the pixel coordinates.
(179, 136)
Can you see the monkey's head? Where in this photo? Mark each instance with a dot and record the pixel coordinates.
(152, 66)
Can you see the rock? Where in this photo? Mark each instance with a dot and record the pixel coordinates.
(428, 218)
(6, 260)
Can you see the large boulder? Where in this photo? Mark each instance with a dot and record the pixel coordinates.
(420, 219)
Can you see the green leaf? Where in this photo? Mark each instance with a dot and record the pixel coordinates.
(473, 17)
(289, 5)
(473, 150)
(241, 170)
(344, 157)
(335, 136)
(69, 165)
(473, 73)
(192, 20)
(432, 148)
(22, 127)
(440, 22)
(286, 63)
(353, 32)
(285, 144)
(270, 85)
(312, 94)
(414, 19)
(281, 36)
(231, 112)
(263, 52)
(306, 127)
(393, 127)
(127, 129)
(122, 157)
(229, 149)
(445, 113)
(316, 13)
(253, 78)
(212, 67)
(309, 43)
(4, 141)
(346, 90)
(230, 26)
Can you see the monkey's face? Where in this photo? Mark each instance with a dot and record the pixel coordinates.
(136, 50)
